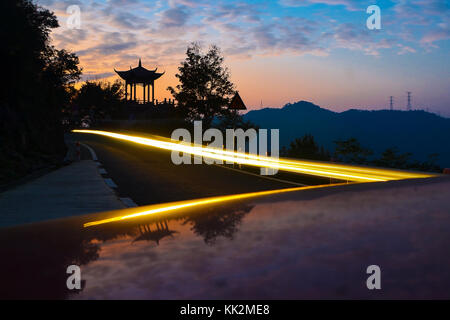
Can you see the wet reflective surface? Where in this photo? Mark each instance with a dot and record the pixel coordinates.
(306, 244)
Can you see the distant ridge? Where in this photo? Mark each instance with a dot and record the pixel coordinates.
(418, 132)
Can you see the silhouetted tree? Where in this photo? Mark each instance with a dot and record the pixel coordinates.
(391, 158)
(205, 87)
(351, 151)
(233, 120)
(37, 77)
(306, 148)
(98, 100)
(427, 165)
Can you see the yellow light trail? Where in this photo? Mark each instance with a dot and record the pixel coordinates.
(173, 206)
(339, 171)
(329, 170)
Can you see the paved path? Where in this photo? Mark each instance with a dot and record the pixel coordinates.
(71, 190)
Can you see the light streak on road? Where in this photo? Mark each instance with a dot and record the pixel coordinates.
(133, 213)
(330, 170)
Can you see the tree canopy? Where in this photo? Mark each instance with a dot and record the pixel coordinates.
(351, 151)
(205, 88)
(306, 148)
(98, 100)
(38, 77)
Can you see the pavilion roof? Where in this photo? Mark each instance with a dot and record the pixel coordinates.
(139, 74)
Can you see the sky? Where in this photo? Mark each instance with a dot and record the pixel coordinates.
(277, 51)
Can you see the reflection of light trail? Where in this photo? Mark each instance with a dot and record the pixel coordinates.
(330, 170)
(132, 213)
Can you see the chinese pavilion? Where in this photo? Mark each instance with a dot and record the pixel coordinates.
(139, 75)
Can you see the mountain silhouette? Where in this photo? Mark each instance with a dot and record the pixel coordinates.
(418, 132)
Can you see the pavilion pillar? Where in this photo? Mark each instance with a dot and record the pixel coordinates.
(126, 90)
(143, 92)
(153, 91)
(134, 92)
(148, 92)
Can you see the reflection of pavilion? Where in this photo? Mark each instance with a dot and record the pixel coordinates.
(161, 231)
(139, 75)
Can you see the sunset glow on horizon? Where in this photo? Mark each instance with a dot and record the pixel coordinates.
(277, 51)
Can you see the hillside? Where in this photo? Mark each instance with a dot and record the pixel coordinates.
(418, 132)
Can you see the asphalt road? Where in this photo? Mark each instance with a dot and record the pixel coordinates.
(147, 175)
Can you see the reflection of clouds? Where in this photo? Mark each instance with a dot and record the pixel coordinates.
(314, 248)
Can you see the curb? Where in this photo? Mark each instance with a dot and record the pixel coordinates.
(127, 202)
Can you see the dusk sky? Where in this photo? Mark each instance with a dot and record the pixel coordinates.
(277, 51)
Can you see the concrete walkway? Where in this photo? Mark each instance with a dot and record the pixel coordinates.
(72, 190)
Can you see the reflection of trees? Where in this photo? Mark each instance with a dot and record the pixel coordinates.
(209, 223)
(160, 231)
(218, 222)
(88, 252)
(34, 258)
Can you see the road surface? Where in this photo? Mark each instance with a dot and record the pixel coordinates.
(147, 175)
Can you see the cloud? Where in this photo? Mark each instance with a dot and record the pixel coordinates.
(265, 37)
(438, 33)
(123, 3)
(96, 75)
(116, 31)
(129, 20)
(111, 43)
(349, 36)
(174, 17)
(349, 4)
(71, 37)
(233, 12)
(405, 49)
(422, 12)
(187, 3)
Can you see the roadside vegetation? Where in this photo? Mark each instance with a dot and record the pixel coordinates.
(95, 101)
(38, 82)
(351, 151)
